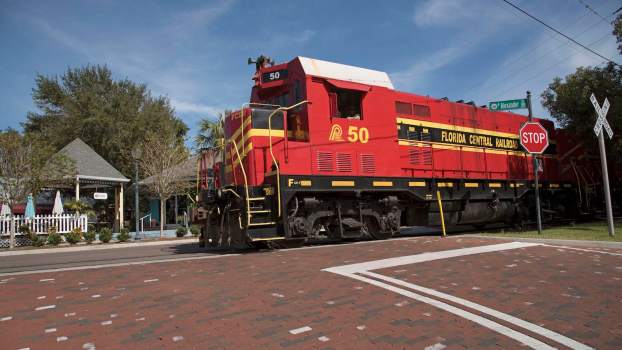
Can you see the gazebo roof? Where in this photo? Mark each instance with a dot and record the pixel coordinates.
(90, 165)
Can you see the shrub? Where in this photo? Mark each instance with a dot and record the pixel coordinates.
(181, 231)
(25, 230)
(54, 237)
(89, 236)
(195, 230)
(105, 235)
(38, 241)
(74, 236)
(124, 235)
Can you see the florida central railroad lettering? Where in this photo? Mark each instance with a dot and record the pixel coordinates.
(453, 137)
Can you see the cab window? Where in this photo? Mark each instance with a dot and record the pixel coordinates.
(345, 104)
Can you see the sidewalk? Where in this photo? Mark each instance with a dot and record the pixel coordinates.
(96, 246)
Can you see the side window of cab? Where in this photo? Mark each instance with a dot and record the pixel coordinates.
(346, 104)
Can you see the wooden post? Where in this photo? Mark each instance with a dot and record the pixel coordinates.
(121, 207)
(77, 189)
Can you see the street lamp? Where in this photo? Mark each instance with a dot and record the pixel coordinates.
(137, 152)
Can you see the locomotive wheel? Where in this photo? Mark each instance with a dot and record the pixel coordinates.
(372, 228)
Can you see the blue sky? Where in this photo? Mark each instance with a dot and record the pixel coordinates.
(195, 51)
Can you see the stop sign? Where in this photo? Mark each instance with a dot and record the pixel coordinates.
(534, 137)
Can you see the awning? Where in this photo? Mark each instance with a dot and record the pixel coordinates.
(348, 85)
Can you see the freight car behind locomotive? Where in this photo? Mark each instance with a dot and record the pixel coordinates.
(331, 151)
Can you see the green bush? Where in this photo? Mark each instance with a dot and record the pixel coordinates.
(89, 236)
(124, 235)
(74, 236)
(38, 242)
(195, 230)
(105, 235)
(54, 237)
(181, 231)
(25, 230)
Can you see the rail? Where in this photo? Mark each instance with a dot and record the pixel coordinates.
(247, 199)
(142, 224)
(276, 165)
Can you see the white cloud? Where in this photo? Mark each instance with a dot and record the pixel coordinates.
(197, 108)
(457, 12)
(415, 75)
(196, 18)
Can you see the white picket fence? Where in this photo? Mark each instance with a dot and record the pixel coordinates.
(41, 223)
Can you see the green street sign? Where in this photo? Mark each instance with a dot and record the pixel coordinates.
(509, 104)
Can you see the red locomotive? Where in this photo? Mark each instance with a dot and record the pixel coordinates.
(325, 150)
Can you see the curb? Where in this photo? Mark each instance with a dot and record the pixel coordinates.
(96, 247)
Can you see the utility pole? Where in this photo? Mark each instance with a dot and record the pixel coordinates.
(535, 171)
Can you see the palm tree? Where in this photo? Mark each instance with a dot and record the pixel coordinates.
(211, 133)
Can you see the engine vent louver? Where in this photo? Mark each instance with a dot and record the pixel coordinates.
(325, 161)
(344, 162)
(368, 164)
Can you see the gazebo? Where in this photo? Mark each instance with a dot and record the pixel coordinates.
(92, 172)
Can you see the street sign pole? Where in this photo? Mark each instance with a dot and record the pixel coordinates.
(535, 170)
(601, 126)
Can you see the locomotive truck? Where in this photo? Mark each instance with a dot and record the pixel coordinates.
(331, 151)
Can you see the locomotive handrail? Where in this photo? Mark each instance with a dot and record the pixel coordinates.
(278, 173)
(248, 203)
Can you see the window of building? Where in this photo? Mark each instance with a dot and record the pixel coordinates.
(346, 104)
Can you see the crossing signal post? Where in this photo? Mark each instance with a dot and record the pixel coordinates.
(601, 123)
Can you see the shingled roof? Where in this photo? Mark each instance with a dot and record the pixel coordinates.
(89, 164)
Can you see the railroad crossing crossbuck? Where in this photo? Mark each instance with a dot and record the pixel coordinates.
(602, 117)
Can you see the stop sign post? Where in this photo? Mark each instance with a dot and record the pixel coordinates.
(535, 139)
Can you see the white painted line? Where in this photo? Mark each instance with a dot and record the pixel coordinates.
(485, 310)
(151, 280)
(494, 326)
(581, 249)
(6, 318)
(46, 280)
(105, 323)
(437, 346)
(63, 338)
(45, 307)
(361, 327)
(132, 263)
(50, 330)
(41, 297)
(178, 338)
(353, 270)
(323, 338)
(70, 314)
(88, 346)
(423, 257)
(300, 330)
(94, 296)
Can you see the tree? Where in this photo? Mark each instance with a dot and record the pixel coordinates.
(568, 100)
(211, 133)
(26, 166)
(109, 115)
(160, 156)
(617, 31)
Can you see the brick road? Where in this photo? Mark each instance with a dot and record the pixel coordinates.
(283, 299)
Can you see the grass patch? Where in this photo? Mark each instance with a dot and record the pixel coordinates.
(593, 231)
